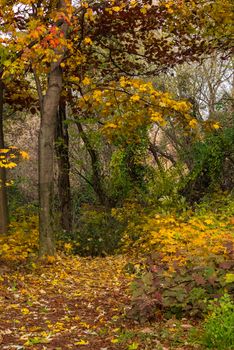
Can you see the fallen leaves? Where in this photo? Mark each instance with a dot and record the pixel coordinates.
(65, 304)
(68, 302)
(84, 309)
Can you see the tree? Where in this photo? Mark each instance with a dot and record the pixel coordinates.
(70, 46)
(23, 18)
(49, 109)
(3, 192)
(63, 161)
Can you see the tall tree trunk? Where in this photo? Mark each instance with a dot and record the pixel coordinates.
(46, 162)
(3, 191)
(49, 110)
(62, 150)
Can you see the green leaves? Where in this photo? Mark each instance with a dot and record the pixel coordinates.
(218, 327)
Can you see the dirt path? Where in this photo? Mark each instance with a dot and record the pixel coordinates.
(74, 303)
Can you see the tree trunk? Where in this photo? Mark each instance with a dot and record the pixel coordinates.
(46, 162)
(49, 110)
(62, 150)
(3, 191)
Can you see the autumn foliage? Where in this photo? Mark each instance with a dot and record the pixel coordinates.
(117, 230)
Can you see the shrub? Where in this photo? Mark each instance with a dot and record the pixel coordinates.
(98, 234)
(182, 292)
(219, 325)
(190, 259)
(22, 240)
(212, 160)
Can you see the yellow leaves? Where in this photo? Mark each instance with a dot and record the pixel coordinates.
(122, 82)
(169, 6)
(111, 125)
(35, 34)
(86, 81)
(115, 341)
(24, 155)
(116, 8)
(68, 247)
(135, 98)
(25, 311)
(97, 95)
(74, 79)
(82, 342)
(193, 123)
(7, 165)
(85, 5)
(209, 221)
(182, 106)
(216, 126)
(180, 239)
(147, 106)
(229, 278)
(143, 87)
(88, 41)
(4, 150)
(57, 327)
(156, 117)
(5, 247)
(133, 3)
(7, 154)
(145, 9)
(22, 240)
(89, 14)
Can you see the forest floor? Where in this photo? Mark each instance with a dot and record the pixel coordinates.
(78, 303)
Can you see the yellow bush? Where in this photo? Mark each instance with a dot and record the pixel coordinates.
(22, 240)
(180, 239)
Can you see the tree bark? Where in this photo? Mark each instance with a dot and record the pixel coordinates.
(46, 162)
(3, 191)
(50, 106)
(62, 150)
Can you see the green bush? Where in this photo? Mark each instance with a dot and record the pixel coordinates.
(219, 325)
(98, 234)
(212, 165)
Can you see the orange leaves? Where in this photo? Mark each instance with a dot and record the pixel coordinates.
(54, 43)
(24, 155)
(54, 38)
